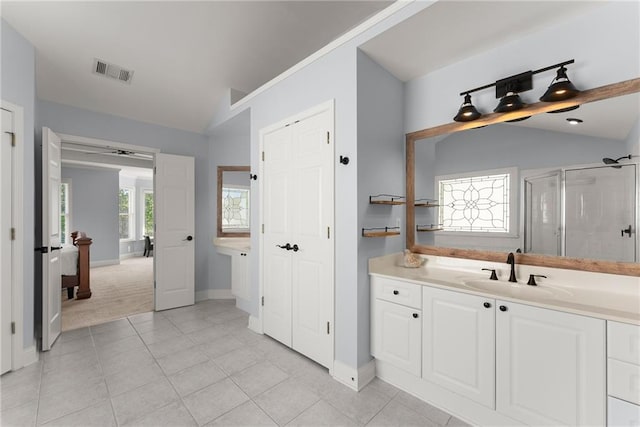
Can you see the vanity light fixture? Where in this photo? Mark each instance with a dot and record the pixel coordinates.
(573, 121)
(508, 91)
(560, 89)
(467, 111)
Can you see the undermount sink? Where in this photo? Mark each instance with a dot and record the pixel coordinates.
(517, 289)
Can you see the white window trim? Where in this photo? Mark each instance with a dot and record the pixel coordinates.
(69, 221)
(514, 190)
(132, 213)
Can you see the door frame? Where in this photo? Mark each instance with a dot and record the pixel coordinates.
(18, 354)
(325, 106)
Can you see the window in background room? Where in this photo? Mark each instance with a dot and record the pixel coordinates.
(235, 208)
(148, 212)
(126, 209)
(480, 203)
(65, 213)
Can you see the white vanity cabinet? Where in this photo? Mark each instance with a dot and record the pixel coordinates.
(489, 360)
(239, 270)
(396, 323)
(623, 365)
(458, 333)
(550, 366)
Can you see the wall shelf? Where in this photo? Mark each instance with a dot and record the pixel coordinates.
(428, 227)
(386, 199)
(426, 203)
(380, 231)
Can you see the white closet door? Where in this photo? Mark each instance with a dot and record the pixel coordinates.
(312, 218)
(6, 260)
(277, 232)
(51, 278)
(298, 251)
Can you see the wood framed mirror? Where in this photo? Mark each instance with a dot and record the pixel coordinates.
(233, 201)
(565, 260)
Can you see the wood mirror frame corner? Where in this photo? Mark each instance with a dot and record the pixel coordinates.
(604, 92)
(221, 170)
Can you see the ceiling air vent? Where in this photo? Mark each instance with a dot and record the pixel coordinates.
(112, 71)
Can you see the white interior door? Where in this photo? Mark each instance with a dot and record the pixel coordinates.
(600, 204)
(311, 206)
(5, 242)
(298, 249)
(174, 251)
(51, 279)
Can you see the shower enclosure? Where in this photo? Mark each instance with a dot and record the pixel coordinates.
(588, 212)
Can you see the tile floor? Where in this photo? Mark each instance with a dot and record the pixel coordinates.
(197, 365)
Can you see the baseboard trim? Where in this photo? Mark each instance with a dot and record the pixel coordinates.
(255, 325)
(214, 294)
(30, 355)
(104, 263)
(355, 379)
(131, 255)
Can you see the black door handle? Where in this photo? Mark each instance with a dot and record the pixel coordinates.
(503, 308)
(626, 230)
(487, 305)
(43, 249)
(295, 248)
(189, 238)
(55, 248)
(287, 246)
(415, 315)
(395, 292)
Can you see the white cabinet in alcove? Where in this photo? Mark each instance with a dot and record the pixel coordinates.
(550, 366)
(459, 343)
(240, 275)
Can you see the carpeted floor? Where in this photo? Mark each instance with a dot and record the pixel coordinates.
(116, 291)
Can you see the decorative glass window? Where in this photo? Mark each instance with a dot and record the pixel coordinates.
(478, 204)
(235, 208)
(65, 213)
(148, 212)
(126, 211)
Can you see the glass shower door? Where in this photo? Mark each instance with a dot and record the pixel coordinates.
(542, 214)
(600, 212)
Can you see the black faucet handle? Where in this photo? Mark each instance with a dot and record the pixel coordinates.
(532, 279)
(493, 273)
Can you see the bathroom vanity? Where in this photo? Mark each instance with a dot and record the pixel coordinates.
(238, 248)
(498, 353)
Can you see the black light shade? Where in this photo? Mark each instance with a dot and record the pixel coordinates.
(467, 111)
(561, 88)
(510, 102)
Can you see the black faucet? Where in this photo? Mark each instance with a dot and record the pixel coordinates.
(511, 260)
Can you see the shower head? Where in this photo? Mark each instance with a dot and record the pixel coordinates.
(609, 161)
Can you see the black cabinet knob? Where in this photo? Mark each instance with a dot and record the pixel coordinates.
(487, 305)
(189, 238)
(415, 315)
(395, 292)
(503, 308)
(295, 248)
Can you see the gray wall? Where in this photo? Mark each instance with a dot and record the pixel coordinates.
(228, 146)
(96, 216)
(632, 144)
(380, 166)
(17, 86)
(79, 122)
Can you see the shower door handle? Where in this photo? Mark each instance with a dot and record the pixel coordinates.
(626, 230)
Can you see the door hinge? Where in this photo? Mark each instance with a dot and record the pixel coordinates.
(262, 301)
(327, 328)
(328, 232)
(154, 170)
(154, 284)
(327, 137)
(13, 138)
(263, 156)
(13, 233)
(262, 228)
(13, 328)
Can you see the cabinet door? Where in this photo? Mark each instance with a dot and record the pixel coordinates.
(459, 343)
(240, 275)
(550, 366)
(397, 335)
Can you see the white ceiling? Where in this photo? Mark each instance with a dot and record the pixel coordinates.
(451, 30)
(185, 55)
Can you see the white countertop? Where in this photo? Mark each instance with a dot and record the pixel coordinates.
(234, 243)
(605, 296)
